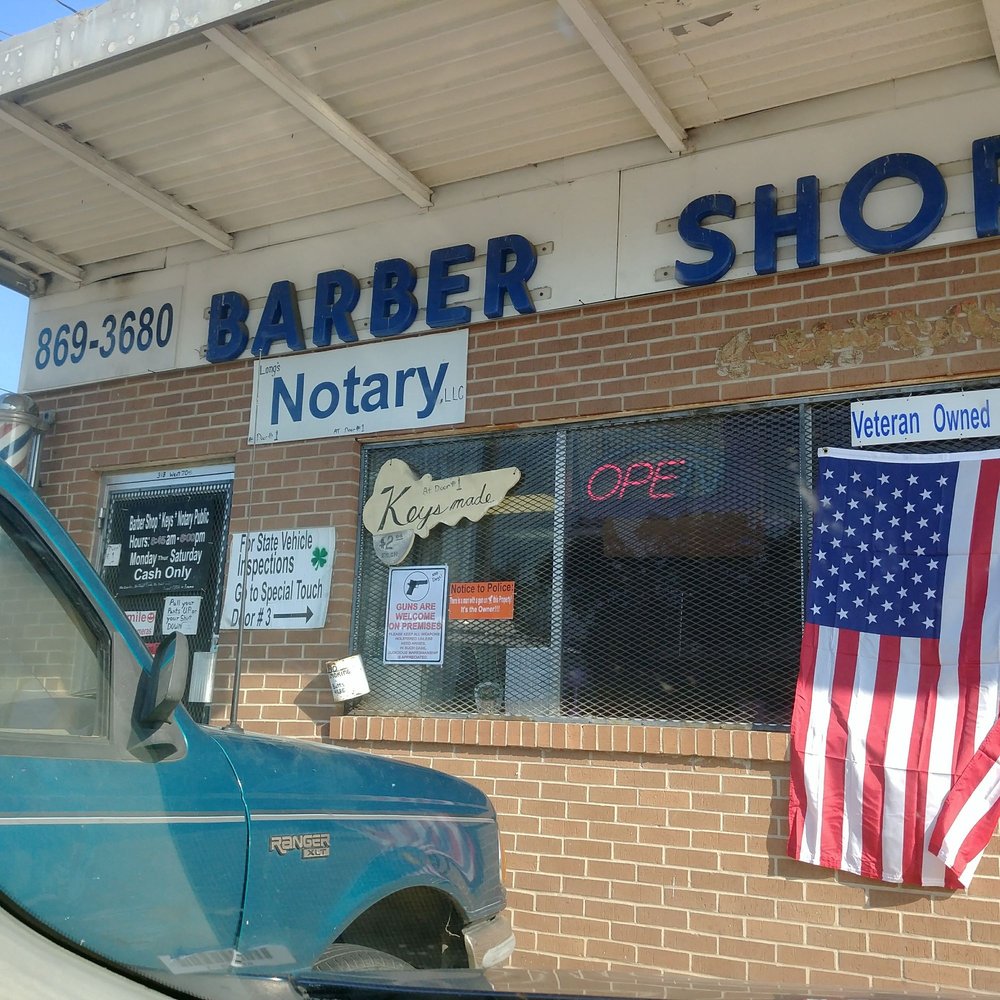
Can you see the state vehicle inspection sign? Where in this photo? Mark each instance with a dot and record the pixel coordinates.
(279, 579)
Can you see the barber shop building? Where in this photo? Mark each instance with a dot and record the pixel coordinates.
(455, 376)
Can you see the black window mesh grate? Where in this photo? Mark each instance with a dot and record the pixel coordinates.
(657, 566)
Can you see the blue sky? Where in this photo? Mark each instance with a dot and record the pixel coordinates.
(17, 16)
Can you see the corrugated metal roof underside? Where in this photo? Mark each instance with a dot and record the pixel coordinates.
(451, 89)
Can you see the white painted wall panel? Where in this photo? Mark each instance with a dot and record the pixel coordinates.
(654, 196)
(578, 218)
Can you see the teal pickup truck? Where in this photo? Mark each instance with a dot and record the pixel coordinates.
(140, 835)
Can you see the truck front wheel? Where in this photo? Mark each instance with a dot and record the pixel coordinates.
(418, 926)
(355, 958)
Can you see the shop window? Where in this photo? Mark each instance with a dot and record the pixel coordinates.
(655, 570)
(681, 596)
(656, 567)
(489, 659)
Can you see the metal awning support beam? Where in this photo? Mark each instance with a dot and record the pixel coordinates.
(85, 156)
(294, 92)
(992, 10)
(24, 249)
(19, 279)
(610, 50)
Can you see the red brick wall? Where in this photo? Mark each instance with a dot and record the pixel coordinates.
(648, 848)
(627, 846)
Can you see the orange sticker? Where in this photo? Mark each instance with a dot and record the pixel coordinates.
(481, 600)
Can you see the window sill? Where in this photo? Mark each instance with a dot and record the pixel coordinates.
(672, 741)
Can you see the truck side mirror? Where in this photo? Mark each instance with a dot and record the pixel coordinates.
(167, 681)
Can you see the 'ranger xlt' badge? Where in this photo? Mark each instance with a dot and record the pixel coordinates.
(311, 845)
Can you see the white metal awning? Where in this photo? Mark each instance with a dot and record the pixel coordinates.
(143, 125)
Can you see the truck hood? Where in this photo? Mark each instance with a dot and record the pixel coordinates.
(275, 772)
(332, 832)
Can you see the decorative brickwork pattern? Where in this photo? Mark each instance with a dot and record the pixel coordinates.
(627, 846)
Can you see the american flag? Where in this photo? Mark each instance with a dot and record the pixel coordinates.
(895, 738)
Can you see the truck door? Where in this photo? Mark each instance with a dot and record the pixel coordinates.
(128, 839)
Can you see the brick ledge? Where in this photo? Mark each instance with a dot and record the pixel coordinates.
(598, 737)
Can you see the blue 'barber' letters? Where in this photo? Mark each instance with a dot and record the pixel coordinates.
(510, 262)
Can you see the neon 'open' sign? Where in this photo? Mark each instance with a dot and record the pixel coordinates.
(612, 482)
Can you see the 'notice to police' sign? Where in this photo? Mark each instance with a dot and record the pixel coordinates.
(279, 579)
(939, 417)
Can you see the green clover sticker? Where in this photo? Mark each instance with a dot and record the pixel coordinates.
(319, 558)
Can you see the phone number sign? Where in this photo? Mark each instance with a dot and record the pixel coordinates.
(102, 340)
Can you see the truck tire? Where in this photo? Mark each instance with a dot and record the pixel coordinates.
(355, 958)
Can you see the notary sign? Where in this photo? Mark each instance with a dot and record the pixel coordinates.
(402, 385)
(279, 579)
(939, 417)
